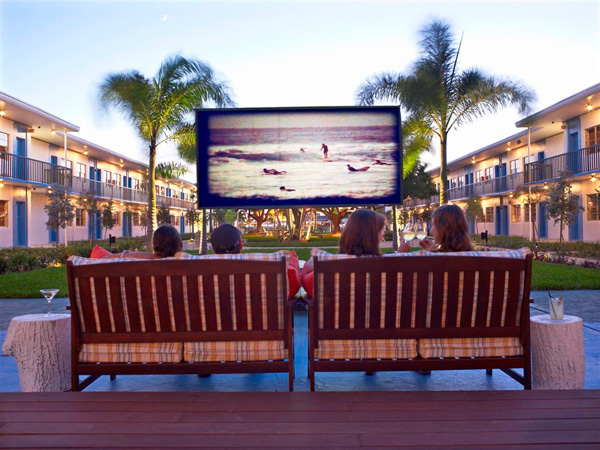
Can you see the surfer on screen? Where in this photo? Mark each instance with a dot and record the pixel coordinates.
(325, 151)
(362, 169)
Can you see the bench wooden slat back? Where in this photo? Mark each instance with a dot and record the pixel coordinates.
(172, 300)
(448, 296)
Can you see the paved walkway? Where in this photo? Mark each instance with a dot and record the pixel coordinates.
(584, 304)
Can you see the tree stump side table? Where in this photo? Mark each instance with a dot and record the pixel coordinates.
(41, 346)
(557, 353)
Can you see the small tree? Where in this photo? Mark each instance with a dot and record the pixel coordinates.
(59, 210)
(260, 216)
(143, 216)
(107, 218)
(163, 215)
(88, 202)
(474, 210)
(335, 216)
(562, 205)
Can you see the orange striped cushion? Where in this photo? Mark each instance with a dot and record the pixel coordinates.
(469, 347)
(367, 349)
(142, 352)
(234, 351)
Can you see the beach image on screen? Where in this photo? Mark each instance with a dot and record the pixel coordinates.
(303, 156)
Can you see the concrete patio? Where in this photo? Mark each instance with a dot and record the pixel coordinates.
(584, 304)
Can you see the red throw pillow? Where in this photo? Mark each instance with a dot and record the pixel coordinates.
(307, 282)
(293, 274)
(99, 252)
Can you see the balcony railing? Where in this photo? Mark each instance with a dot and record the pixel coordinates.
(580, 161)
(104, 190)
(31, 170)
(493, 186)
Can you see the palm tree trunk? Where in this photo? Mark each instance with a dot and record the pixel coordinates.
(152, 223)
(443, 169)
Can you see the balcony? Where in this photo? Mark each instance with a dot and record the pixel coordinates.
(104, 190)
(18, 168)
(494, 186)
(489, 187)
(581, 161)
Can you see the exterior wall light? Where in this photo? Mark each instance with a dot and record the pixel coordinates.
(545, 185)
(593, 178)
(589, 107)
(2, 113)
(511, 195)
(53, 132)
(1, 184)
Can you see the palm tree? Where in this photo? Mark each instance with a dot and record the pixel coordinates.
(160, 109)
(436, 92)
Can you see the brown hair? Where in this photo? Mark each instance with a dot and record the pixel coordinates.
(361, 233)
(166, 241)
(452, 229)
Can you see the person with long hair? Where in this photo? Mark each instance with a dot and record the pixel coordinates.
(361, 236)
(166, 243)
(450, 231)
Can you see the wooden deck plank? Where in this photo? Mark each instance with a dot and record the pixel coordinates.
(209, 397)
(276, 427)
(435, 420)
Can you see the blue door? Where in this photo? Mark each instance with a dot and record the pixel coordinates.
(52, 236)
(127, 224)
(498, 221)
(20, 170)
(20, 231)
(504, 220)
(576, 228)
(544, 173)
(542, 221)
(182, 225)
(53, 160)
(95, 220)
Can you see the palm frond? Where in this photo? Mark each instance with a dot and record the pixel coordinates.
(383, 87)
(170, 170)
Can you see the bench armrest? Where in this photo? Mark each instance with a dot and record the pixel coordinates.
(531, 300)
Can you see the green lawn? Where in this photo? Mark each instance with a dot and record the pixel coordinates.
(545, 276)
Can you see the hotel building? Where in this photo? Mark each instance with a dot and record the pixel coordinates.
(564, 136)
(33, 160)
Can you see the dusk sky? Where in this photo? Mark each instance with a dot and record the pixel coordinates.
(54, 54)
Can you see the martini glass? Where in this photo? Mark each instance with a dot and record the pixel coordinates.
(49, 295)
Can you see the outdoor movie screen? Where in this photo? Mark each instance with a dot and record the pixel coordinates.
(285, 157)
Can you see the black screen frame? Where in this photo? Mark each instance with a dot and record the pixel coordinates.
(205, 200)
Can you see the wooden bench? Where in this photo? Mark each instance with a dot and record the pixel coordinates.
(419, 313)
(179, 317)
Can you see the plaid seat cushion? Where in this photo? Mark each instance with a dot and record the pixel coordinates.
(520, 253)
(229, 351)
(140, 352)
(367, 349)
(469, 347)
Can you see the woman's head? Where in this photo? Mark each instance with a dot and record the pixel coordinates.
(166, 241)
(363, 233)
(450, 229)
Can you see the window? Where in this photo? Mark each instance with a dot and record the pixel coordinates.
(3, 142)
(461, 181)
(533, 215)
(80, 170)
(489, 214)
(3, 213)
(69, 164)
(175, 221)
(528, 159)
(135, 218)
(453, 183)
(136, 184)
(162, 191)
(79, 217)
(117, 179)
(593, 207)
(478, 176)
(592, 136)
(515, 213)
(489, 173)
(515, 166)
(106, 176)
(116, 219)
(157, 188)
